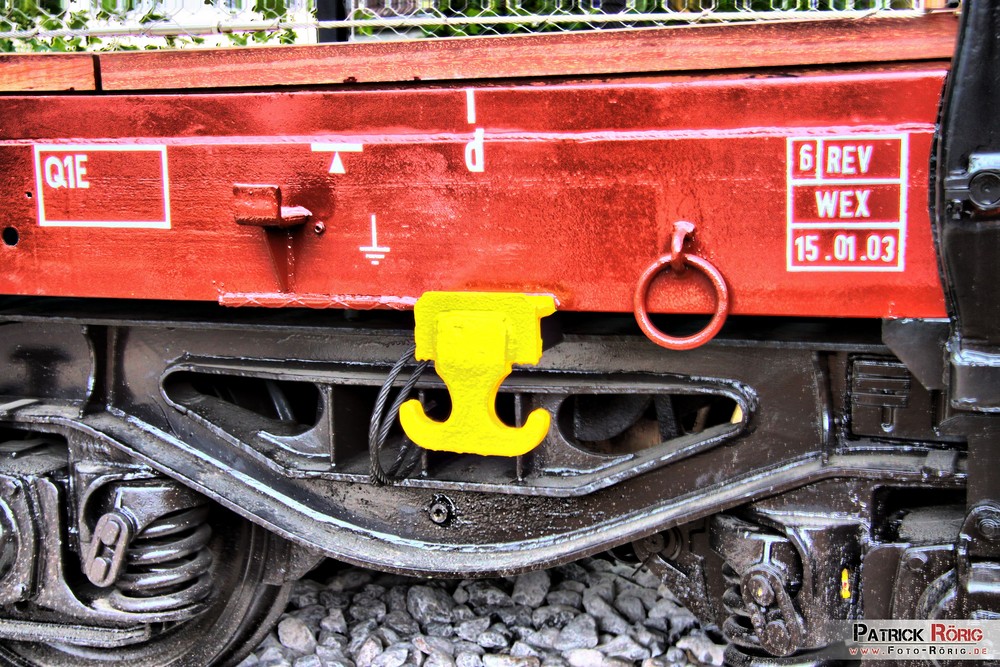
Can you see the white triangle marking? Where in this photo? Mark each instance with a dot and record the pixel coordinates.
(337, 167)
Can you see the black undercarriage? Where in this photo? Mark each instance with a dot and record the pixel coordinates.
(802, 454)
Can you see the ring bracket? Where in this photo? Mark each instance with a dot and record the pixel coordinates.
(682, 230)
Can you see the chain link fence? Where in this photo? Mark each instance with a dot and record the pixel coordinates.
(96, 25)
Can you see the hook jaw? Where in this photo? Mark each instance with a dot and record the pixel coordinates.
(474, 339)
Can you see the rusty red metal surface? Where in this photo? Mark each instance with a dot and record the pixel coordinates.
(808, 193)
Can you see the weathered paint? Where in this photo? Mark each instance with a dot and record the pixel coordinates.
(564, 189)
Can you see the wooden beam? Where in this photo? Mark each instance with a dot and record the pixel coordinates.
(47, 72)
(690, 48)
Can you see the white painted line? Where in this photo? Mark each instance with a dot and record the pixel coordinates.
(107, 224)
(789, 202)
(470, 106)
(819, 159)
(337, 148)
(846, 269)
(846, 226)
(166, 188)
(835, 182)
(904, 171)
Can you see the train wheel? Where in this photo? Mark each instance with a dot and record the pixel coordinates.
(241, 609)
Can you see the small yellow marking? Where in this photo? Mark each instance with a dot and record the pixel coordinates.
(474, 339)
(737, 416)
(845, 584)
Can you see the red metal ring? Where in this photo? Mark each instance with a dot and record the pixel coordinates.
(687, 342)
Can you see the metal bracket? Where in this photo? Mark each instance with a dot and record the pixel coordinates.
(260, 206)
(979, 184)
(105, 556)
(778, 624)
(977, 553)
(79, 635)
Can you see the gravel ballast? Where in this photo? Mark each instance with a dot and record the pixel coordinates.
(593, 613)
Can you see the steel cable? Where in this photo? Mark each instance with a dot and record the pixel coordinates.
(381, 423)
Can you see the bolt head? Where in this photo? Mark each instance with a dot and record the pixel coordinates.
(440, 513)
(777, 634)
(99, 569)
(988, 526)
(110, 532)
(916, 561)
(760, 590)
(655, 543)
(984, 189)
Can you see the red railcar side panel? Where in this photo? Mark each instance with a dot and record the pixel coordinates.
(807, 192)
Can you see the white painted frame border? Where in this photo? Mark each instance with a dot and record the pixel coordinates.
(89, 148)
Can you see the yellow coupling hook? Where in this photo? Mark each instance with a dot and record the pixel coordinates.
(474, 339)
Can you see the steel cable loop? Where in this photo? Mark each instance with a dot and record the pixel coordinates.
(381, 423)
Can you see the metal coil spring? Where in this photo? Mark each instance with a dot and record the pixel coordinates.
(167, 565)
(738, 628)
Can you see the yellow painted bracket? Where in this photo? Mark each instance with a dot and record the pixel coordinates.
(474, 339)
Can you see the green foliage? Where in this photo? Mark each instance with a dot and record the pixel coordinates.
(48, 16)
(623, 8)
(45, 17)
